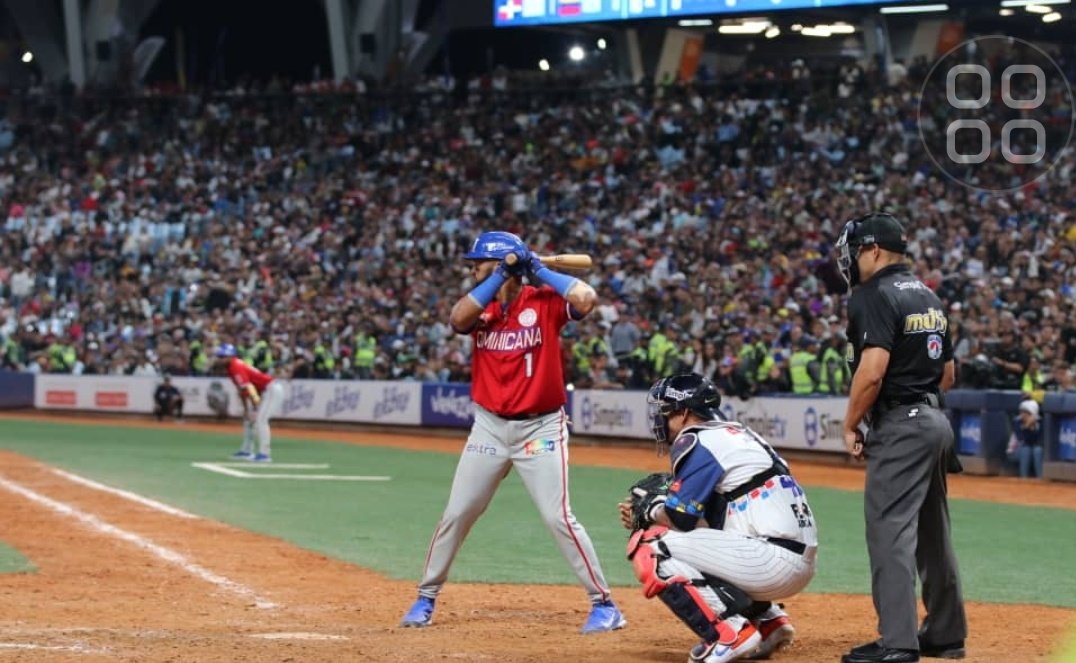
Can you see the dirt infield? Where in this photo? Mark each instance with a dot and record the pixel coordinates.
(98, 597)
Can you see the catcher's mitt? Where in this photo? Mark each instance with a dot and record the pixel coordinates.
(644, 494)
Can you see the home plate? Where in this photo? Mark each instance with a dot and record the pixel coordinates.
(299, 636)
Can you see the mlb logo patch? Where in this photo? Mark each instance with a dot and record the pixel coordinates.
(934, 346)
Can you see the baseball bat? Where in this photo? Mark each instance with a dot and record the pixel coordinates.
(562, 260)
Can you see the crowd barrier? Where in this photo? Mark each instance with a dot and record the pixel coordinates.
(806, 423)
(981, 419)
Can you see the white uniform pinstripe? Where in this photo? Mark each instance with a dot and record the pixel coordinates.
(740, 553)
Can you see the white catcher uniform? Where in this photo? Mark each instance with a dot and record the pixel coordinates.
(761, 535)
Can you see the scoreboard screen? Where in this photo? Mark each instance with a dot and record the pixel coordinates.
(508, 13)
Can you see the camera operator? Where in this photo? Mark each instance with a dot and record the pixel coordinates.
(168, 400)
(1010, 361)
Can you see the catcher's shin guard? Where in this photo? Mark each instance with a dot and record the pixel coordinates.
(736, 601)
(681, 595)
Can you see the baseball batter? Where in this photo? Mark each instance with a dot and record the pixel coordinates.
(733, 533)
(261, 396)
(518, 390)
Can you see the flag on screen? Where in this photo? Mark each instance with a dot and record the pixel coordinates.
(569, 7)
(508, 9)
(534, 8)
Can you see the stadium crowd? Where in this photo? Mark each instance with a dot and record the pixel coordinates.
(321, 230)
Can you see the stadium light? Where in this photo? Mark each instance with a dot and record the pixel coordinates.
(27, 57)
(1052, 17)
(914, 9)
(576, 53)
(543, 64)
(773, 32)
(1025, 3)
(602, 44)
(1038, 9)
(695, 23)
(1006, 12)
(745, 28)
(796, 27)
(824, 30)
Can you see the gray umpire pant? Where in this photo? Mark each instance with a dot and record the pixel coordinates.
(907, 517)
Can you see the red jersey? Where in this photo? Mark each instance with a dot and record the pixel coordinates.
(516, 365)
(243, 374)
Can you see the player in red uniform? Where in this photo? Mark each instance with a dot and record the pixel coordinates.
(261, 396)
(518, 391)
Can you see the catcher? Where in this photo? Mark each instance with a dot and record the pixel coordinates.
(726, 533)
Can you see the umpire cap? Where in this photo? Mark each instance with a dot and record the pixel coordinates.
(882, 229)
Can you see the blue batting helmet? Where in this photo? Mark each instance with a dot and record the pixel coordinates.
(495, 245)
(226, 350)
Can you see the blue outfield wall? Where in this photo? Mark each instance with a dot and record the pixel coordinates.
(16, 390)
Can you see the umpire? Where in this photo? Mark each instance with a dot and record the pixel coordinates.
(902, 360)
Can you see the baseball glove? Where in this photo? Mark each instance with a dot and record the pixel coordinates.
(644, 494)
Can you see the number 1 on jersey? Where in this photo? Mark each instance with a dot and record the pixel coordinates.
(529, 358)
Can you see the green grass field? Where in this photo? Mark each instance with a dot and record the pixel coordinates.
(1009, 554)
(11, 561)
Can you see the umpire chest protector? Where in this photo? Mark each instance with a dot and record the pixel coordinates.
(895, 311)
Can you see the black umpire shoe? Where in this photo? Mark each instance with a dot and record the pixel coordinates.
(874, 652)
(951, 650)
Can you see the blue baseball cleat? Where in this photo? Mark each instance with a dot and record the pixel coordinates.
(242, 455)
(420, 615)
(262, 458)
(604, 616)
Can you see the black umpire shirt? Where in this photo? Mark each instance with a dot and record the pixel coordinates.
(896, 311)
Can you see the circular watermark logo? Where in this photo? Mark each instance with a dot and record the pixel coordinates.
(995, 113)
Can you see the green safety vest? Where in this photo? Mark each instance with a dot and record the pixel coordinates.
(11, 351)
(62, 358)
(263, 356)
(661, 352)
(581, 356)
(365, 350)
(764, 366)
(323, 361)
(199, 359)
(797, 369)
(831, 355)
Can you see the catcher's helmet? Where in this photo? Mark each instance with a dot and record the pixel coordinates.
(226, 350)
(879, 228)
(495, 245)
(677, 393)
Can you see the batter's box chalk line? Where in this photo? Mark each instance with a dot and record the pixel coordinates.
(299, 636)
(269, 471)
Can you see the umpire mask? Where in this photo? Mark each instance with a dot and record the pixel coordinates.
(847, 254)
(879, 228)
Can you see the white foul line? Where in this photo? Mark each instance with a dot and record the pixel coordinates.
(231, 470)
(74, 648)
(134, 497)
(163, 553)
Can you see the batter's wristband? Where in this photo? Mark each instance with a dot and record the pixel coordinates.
(562, 283)
(483, 293)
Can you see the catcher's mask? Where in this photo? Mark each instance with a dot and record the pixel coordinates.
(879, 228)
(677, 393)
